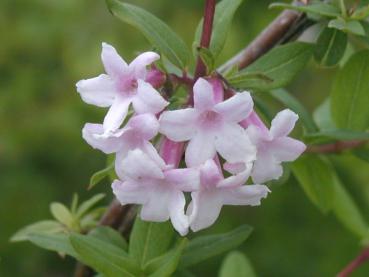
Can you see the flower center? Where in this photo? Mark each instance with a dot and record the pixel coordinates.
(210, 120)
(127, 85)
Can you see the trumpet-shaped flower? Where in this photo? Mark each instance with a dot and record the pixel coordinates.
(158, 189)
(215, 191)
(122, 85)
(210, 126)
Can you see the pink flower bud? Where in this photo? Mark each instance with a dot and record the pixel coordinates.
(155, 77)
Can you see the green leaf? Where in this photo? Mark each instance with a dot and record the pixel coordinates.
(88, 204)
(362, 153)
(149, 240)
(207, 58)
(98, 176)
(339, 134)
(349, 96)
(61, 213)
(331, 46)
(293, 103)
(352, 26)
(166, 264)
(361, 13)
(347, 211)
(250, 80)
(280, 65)
(223, 16)
(109, 235)
(107, 259)
(236, 264)
(204, 247)
(54, 242)
(44, 227)
(315, 175)
(322, 9)
(156, 31)
(322, 116)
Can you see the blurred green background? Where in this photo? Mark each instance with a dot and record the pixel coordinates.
(48, 45)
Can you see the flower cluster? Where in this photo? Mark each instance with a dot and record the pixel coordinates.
(215, 136)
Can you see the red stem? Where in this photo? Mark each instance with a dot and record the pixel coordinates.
(363, 257)
(336, 147)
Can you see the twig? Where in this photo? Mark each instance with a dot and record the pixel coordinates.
(336, 147)
(363, 257)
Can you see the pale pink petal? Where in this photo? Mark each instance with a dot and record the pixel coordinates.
(114, 65)
(157, 207)
(146, 125)
(283, 123)
(234, 168)
(171, 151)
(236, 108)
(152, 153)
(236, 180)
(266, 168)
(203, 95)
(199, 149)
(233, 144)
(176, 208)
(129, 192)
(179, 125)
(254, 119)
(217, 89)
(185, 179)
(92, 134)
(206, 207)
(210, 174)
(116, 114)
(98, 91)
(138, 166)
(148, 99)
(245, 195)
(139, 64)
(287, 149)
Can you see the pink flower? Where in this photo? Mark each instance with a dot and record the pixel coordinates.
(274, 146)
(210, 126)
(158, 189)
(122, 85)
(215, 191)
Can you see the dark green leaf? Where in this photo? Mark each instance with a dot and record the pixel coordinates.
(331, 46)
(339, 134)
(349, 97)
(98, 176)
(44, 227)
(362, 153)
(61, 213)
(280, 65)
(55, 242)
(149, 240)
(322, 9)
(316, 178)
(361, 13)
(88, 204)
(224, 13)
(156, 31)
(352, 26)
(322, 116)
(250, 80)
(292, 103)
(202, 248)
(236, 264)
(107, 259)
(109, 235)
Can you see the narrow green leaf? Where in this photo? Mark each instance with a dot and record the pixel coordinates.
(109, 235)
(223, 16)
(98, 176)
(74, 205)
(280, 65)
(293, 103)
(322, 9)
(236, 264)
(349, 96)
(61, 213)
(339, 134)
(156, 31)
(352, 26)
(54, 242)
(322, 116)
(251, 80)
(107, 259)
(149, 240)
(361, 13)
(315, 175)
(331, 46)
(362, 153)
(202, 248)
(207, 58)
(44, 227)
(88, 204)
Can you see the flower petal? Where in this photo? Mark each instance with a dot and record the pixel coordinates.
(116, 114)
(185, 179)
(157, 207)
(129, 192)
(98, 91)
(199, 149)
(265, 167)
(209, 174)
(148, 99)
(139, 64)
(283, 123)
(203, 95)
(245, 195)
(287, 149)
(92, 134)
(179, 125)
(233, 144)
(176, 208)
(236, 108)
(146, 125)
(238, 179)
(113, 63)
(153, 154)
